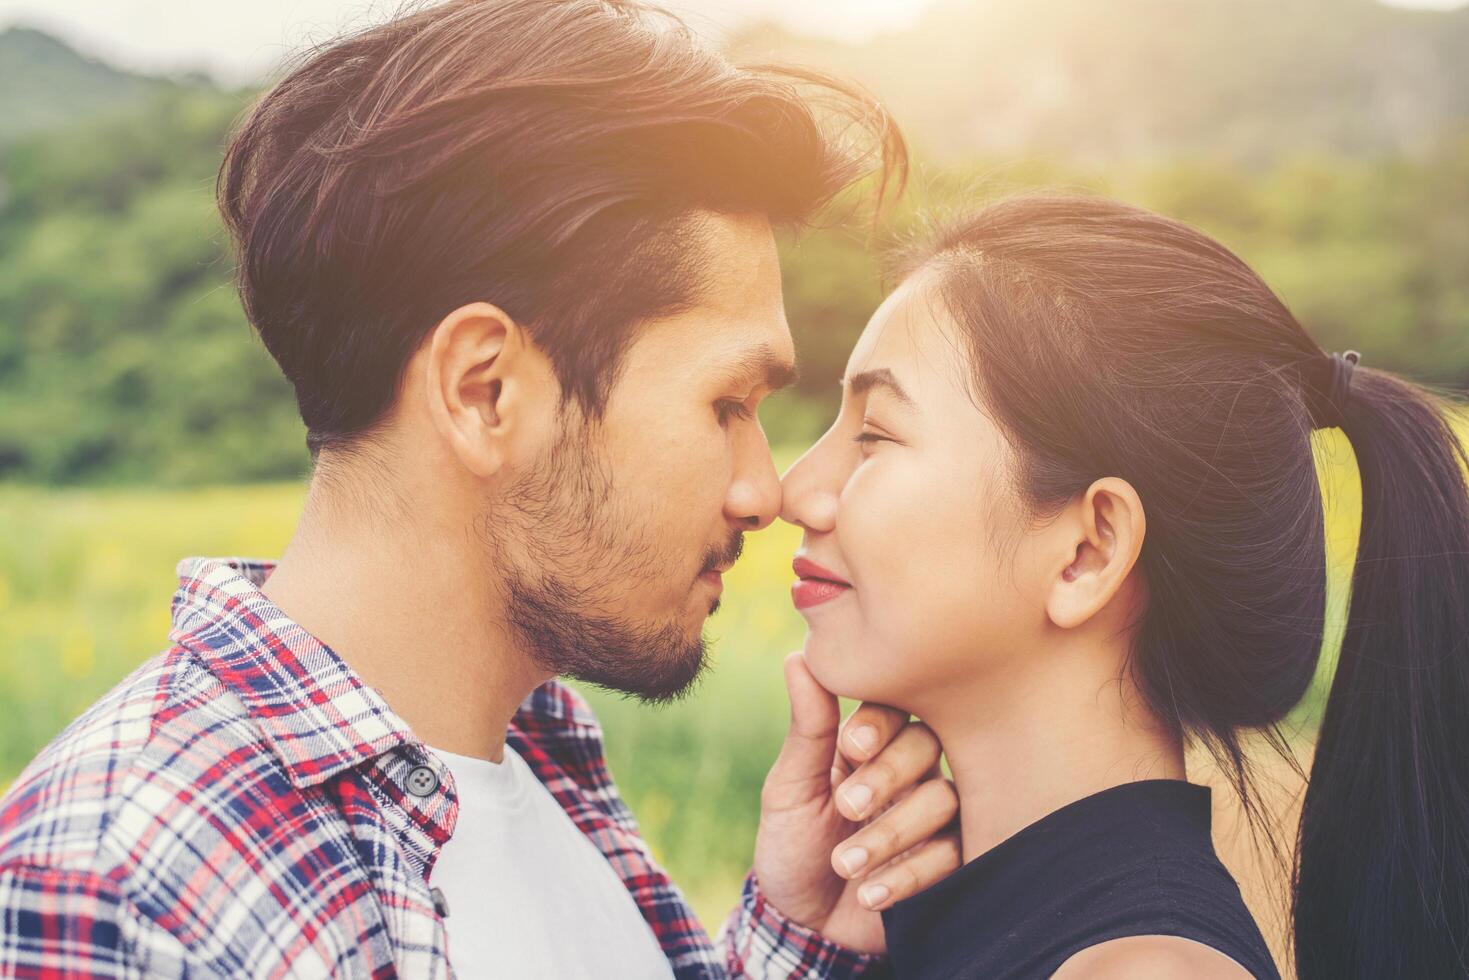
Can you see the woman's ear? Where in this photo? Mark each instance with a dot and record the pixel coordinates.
(480, 376)
(1101, 537)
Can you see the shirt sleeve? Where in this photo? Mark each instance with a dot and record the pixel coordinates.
(57, 923)
(760, 943)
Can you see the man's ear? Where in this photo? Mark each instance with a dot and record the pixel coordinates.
(1101, 535)
(481, 376)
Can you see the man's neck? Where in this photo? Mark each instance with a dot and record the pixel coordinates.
(413, 613)
(1047, 740)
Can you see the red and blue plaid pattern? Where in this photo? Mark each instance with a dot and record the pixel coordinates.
(237, 807)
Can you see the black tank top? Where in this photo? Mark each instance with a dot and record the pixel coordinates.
(1133, 860)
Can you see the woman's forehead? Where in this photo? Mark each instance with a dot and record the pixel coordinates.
(911, 335)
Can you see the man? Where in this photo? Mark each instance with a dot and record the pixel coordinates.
(516, 257)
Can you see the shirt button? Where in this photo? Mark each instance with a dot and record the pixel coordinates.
(422, 781)
(441, 904)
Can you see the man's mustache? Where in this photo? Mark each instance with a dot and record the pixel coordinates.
(729, 556)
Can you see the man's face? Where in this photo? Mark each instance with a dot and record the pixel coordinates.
(611, 549)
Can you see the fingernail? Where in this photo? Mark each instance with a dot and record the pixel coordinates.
(858, 798)
(865, 738)
(873, 895)
(854, 859)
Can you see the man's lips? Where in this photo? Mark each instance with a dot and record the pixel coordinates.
(715, 577)
(817, 583)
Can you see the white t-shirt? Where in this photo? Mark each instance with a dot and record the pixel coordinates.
(529, 895)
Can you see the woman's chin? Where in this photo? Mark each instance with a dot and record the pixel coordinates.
(840, 672)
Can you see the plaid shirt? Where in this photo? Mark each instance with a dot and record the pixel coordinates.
(245, 805)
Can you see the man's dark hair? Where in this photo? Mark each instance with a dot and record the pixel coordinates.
(542, 155)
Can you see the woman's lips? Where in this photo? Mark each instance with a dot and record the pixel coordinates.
(813, 591)
(817, 584)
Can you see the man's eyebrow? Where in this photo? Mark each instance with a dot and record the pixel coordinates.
(761, 364)
(880, 378)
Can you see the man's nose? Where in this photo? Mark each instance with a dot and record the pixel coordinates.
(754, 498)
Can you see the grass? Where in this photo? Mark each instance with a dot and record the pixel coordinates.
(86, 579)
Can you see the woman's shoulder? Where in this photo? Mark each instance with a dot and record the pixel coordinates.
(1151, 958)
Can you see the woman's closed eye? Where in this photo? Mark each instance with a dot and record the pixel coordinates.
(867, 436)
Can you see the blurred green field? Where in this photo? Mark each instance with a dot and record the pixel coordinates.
(86, 577)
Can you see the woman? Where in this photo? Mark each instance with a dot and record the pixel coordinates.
(1069, 516)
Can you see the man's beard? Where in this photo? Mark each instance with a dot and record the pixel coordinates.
(564, 520)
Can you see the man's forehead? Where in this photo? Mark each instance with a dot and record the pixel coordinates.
(735, 328)
(703, 350)
(739, 262)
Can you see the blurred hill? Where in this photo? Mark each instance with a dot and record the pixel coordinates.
(45, 83)
(1326, 142)
(124, 356)
(1243, 80)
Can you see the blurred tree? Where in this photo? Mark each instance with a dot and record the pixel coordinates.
(125, 357)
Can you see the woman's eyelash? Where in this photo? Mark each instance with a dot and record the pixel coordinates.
(870, 437)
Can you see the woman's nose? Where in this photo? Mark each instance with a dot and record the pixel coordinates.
(809, 497)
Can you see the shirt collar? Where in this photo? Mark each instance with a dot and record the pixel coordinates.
(318, 715)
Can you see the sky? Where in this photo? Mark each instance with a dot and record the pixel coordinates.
(238, 42)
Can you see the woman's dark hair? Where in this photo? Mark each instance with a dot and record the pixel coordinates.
(541, 155)
(1110, 341)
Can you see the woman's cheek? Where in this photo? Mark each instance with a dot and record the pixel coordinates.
(878, 627)
(923, 584)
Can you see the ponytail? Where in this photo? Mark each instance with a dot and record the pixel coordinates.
(1382, 867)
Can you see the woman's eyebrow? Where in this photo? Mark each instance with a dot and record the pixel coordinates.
(865, 381)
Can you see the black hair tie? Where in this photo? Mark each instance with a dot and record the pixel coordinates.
(1328, 386)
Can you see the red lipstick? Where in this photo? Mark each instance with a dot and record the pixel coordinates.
(817, 584)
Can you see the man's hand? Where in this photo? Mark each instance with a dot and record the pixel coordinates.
(853, 817)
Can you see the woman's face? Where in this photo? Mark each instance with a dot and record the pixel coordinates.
(908, 498)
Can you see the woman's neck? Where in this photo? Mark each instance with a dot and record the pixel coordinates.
(1024, 749)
